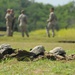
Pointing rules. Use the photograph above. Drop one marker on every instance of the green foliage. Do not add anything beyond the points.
(38, 13)
(65, 15)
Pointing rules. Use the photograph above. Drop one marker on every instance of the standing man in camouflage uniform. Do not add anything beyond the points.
(8, 23)
(51, 22)
(13, 20)
(23, 23)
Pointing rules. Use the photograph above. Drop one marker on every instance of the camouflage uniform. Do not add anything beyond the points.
(51, 24)
(13, 21)
(9, 23)
(23, 21)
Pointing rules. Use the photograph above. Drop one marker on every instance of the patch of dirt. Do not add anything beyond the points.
(38, 71)
(64, 41)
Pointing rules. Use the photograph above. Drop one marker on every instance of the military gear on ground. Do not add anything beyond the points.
(38, 50)
(58, 51)
(55, 57)
(6, 49)
(1, 56)
(70, 57)
(23, 55)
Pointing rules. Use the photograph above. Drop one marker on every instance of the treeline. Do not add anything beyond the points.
(38, 13)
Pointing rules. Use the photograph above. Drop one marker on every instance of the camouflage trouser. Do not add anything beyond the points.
(49, 27)
(9, 29)
(23, 30)
(13, 22)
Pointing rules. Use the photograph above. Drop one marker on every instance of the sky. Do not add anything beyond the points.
(54, 2)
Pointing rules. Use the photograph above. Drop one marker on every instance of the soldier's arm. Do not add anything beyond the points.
(6, 16)
(51, 17)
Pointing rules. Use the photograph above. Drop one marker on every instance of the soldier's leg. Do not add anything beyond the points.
(13, 23)
(26, 32)
(8, 33)
(48, 29)
(22, 30)
(10, 30)
(53, 31)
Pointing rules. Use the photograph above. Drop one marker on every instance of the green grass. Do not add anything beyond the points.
(43, 66)
(41, 36)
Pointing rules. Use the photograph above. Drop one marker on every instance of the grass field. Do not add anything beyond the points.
(43, 66)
